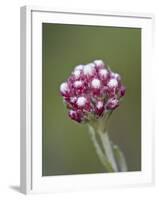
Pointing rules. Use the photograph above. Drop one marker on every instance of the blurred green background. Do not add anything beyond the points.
(67, 148)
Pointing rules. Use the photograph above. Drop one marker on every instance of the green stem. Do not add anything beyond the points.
(110, 155)
(108, 149)
(99, 152)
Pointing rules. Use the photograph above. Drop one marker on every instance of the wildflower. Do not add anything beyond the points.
(91, 93)
(92, 90)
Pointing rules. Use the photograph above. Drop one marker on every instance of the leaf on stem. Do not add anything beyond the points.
(120, 158)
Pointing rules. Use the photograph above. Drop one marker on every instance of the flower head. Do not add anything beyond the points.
(92, 91)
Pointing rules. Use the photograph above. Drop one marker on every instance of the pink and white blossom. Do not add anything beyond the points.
(92, 89)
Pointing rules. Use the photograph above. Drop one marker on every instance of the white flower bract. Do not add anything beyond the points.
(99, 104)
(99, 63)
(64, 87)
(115, 75)
(79, 67)
(78, 84)
(72, 113)
(96, 83)
(73, 99)
(103, 73)
(77, 73)
(113, 83)
(81, 101)
(89, 69)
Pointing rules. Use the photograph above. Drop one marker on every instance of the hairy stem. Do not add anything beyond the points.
(99, 151)
(109, 154)
(108, 149)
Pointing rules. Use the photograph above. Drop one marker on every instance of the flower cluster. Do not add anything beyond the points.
(91, 91)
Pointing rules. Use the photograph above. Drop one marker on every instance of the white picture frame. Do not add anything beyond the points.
(31, 100)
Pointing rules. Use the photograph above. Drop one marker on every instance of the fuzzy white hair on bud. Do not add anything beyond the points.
(79, 67)
(99, 104)
(96, 83)
(103, 73)
(113, 83)
(73, 99)
(77, 73)
(89, 69)
(99, 63)
(81, 101)
(72, 112)
(114, 101)
(78, 84)
(116, 76)
(64, 87)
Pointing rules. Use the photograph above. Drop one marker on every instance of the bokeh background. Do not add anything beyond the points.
(67, 148)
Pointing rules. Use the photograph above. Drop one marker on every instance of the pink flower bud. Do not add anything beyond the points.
(89, 69)
(96, 84)
(103, 74)
(75, 115)
(76, 74)
(64, 89)
(79, 67)
(112, 104)
(81, 102)
(122, 91)
(113, 83)
(99, 107)
(116, 76)
(99, 63)
(78, 84)
(73, 100)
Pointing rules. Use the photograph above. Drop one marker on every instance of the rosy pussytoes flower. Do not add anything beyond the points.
(92, 91)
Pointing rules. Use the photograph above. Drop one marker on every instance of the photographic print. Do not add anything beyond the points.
(91, 99)
(86, 88)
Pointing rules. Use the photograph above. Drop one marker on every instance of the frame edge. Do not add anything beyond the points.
(25, 92)
(90, 11)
